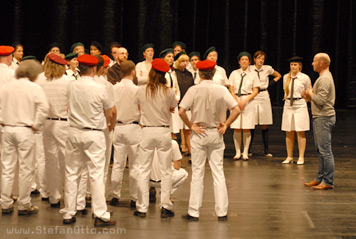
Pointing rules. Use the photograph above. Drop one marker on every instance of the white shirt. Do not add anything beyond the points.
(57, 97)
(220, 76)
(15, 63)
(172, 74)
(263, 74)
(103, 80)
(72, 75)
(6, 74)
(207, 102)
(124, 96)
(87, 101)
(142, 73)
(301, 83)
(23, 103)
(250, 80)
(196, 73)
(155, 111)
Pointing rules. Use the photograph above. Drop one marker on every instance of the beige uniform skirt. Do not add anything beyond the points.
(246, 119)
(263, 109)
(296, 117)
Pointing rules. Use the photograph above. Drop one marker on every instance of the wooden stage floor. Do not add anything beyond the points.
(266, 199)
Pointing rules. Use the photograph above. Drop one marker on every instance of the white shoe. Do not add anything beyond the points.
(237, 156)
(288, 160)
(268, 155)
(244, 157)
(300, 161)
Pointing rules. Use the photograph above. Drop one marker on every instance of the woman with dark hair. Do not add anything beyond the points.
(72, 72)
(262, 100)
(156, 101)
(295, 116)
(185, 81)
(96, 48)
(244, 86)
(144, 67)
(16, 55)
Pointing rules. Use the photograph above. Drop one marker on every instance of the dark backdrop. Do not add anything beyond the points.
(282, 28)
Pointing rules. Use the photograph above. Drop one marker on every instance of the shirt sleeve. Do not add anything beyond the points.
(187, 101)
(108, 100)
(42, 107)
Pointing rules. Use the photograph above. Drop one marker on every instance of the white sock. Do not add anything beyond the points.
(247, 140)
(237, 142)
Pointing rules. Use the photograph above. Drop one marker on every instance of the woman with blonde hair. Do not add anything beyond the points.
(156, 101)
(55, 84)
(295, 116)
(185, 81)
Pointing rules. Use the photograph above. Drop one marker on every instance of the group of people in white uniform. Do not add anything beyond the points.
(81, 115)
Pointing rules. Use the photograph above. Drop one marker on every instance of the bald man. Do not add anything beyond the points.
(322, 98)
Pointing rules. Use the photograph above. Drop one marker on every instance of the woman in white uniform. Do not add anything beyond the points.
(156, 101)
(144, 67)
(220, 76)
(72, 72)
(16, 55)
(244, 86)
(295, 116)
(262, 100)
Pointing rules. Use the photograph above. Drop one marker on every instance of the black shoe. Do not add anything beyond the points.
(139, 214)
(152, 195)
(165, 213)
(45, 199)
(82, 212)
(69, 221)
(35, 192)
(56, 205)
(190, 218)
(133, 204)
(101, 223)
(222, 219)
(114, 202)
(31, 210)
(109, 211)
(9, 210)
(187, 154)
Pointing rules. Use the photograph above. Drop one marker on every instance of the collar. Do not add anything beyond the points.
(126, 81)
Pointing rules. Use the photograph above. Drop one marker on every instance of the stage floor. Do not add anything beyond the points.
(266, 199)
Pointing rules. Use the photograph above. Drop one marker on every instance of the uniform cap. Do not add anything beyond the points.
(179, 54)
(165, 52)
(194, 53)
(6, 50)
(75, 45)
(210, 49)
(244, 53)
(97, 45)
(146, 46)
(28, 58)
(206, 65)
(160, 65)
(295, 59)
(88, 60)
(106, 60)
(57, 59)
(54, 44)
(179, 43)
(70, 56)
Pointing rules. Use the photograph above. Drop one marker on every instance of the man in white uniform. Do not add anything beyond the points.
(89, 109)
(127, 134)
(207, 102)
(18, 139)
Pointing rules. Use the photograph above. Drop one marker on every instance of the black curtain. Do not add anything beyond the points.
(281, 28)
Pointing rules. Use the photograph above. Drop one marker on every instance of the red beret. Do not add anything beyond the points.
(160, 65)
(88, 60)
(206, 65)
(106, 60)
(6, 50)
(57, 59)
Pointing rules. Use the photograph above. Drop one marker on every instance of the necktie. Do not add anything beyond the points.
(170, 77)
(292, 91)
(195, 75)
(258, 73)
(242, 78)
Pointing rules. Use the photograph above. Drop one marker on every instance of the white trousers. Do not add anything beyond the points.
(126, 142)
(154, 138)
(54, 140)
(85, 148)
(18, 146)
(209, 145)
(178, 177)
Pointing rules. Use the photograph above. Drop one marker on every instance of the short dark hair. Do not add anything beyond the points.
(84, 69)
(115, 44)
(207, 74)
(127, 67)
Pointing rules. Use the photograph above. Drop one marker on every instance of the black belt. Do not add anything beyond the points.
(295, 98)
(153, 181)
(120, 122)
(165, 126)
(92, 129)
(27, 126)
(245, 94)
(260, 90)
(61, 119)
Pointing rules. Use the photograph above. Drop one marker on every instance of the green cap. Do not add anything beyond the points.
(210, 49)
(146, 46)
(75, 45)
(70, 56)
(28, 58)
(244, 53)
(194, 53)
(179, 43)
(179, 54)
(165, 52)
